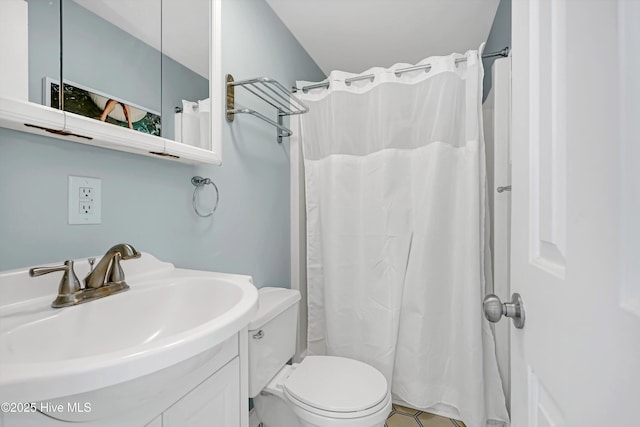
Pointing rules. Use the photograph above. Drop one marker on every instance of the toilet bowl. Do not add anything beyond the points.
(320, 391)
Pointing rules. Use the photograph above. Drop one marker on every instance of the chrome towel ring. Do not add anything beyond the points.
(200, 182)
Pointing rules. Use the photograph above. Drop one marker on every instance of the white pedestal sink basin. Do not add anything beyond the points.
(169, 319)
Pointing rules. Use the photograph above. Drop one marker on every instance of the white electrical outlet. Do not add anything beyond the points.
(85, 193)
(85, 200)
(86, 208)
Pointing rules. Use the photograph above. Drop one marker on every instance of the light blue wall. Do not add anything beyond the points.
(147, 201)
(499, 37)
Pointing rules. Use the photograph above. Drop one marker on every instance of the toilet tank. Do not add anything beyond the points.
(272, 335)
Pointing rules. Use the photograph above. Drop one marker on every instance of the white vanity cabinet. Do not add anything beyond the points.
(214, 402)
(204, 391)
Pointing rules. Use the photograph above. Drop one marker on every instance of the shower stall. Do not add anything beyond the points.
(389, 197)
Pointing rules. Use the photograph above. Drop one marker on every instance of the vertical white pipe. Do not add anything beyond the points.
(298, 234)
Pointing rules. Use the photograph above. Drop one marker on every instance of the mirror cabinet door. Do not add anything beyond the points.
(112, 62)
(44, 51)
(30, 48)
(186, 109)
(143, 65)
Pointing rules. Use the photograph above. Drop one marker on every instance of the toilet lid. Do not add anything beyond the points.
(336, 384)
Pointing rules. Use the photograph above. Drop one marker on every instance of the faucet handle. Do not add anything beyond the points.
(69, 284)
(39, 271)
(116, 274)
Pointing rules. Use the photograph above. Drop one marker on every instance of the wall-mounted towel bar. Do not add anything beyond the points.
(271, 92)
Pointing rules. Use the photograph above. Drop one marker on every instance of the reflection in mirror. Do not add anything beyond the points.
(44, 47)
(114, 70)
(89, 102)
(186, 40)
(112, 62)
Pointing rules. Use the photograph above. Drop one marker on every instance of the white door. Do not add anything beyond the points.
(575, 217)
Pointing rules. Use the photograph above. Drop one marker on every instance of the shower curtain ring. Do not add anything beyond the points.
(200, 182)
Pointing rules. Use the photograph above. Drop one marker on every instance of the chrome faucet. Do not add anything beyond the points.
(105, 279)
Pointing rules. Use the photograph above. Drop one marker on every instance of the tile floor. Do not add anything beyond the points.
(402, 416)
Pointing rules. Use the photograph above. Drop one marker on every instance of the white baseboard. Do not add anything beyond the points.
(253, 419)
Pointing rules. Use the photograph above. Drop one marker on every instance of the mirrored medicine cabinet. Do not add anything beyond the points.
(139, 76)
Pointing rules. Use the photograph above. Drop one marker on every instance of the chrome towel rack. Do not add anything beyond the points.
(271, 92)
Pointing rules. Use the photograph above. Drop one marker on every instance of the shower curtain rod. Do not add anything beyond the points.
(504, 52)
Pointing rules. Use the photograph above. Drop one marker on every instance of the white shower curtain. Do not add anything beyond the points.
(396, 233)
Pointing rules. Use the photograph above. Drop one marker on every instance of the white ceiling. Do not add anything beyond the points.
(185, 30)
(348, 35)
(354, 35)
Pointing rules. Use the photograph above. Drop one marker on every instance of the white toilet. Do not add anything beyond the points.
(320, 391)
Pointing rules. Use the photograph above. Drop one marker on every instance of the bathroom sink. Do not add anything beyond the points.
(168, 316)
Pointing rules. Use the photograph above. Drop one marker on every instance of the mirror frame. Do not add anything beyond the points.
(217, 86)
(216, 80)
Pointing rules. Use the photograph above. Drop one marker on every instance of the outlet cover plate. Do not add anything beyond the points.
(85, 200)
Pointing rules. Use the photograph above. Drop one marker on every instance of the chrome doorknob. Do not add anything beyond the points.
(494, 309)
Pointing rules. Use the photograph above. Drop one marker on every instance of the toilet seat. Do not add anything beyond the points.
(336, 387)
(340, 415)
